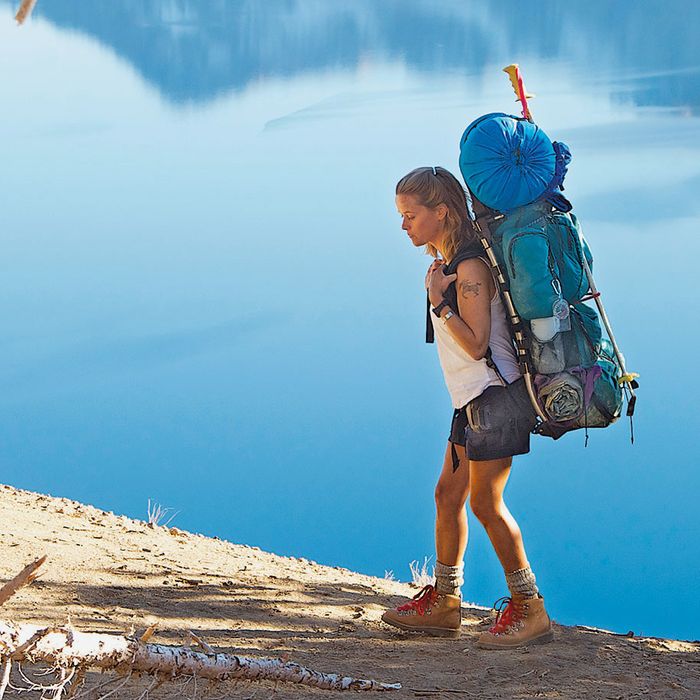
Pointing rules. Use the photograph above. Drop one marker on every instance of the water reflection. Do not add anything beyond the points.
(193, 51)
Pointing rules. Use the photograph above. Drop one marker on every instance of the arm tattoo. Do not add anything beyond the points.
(468, 288)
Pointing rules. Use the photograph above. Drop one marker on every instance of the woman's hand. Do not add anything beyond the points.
(437, 282)
(433, 265)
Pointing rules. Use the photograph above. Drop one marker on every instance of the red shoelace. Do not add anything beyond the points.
(507, 613)
(421, 601)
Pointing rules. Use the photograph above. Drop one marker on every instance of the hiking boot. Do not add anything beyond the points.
(437, 614)
(520, 622)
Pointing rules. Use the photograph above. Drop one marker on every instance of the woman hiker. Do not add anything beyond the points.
(492, 418)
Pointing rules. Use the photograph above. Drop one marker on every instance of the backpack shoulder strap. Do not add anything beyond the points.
(472, 249)
(467, 251)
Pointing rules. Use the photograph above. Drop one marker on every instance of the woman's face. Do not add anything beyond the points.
(422, 224)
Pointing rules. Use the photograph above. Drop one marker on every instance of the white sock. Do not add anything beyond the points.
(449, 579)
(522, 582)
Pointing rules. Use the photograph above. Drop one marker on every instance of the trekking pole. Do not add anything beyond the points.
(516, 80)
(627, 380)
(514, 319)
(516, 323)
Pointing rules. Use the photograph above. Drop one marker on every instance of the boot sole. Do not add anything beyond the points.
(431, 631)
(542, 639)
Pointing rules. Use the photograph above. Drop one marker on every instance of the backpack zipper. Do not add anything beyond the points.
(572, 239)
(512, 244)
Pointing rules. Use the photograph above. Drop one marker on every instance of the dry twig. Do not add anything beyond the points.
(23, 578)
(6, 668)
(201, 643)
(25, 9)
(148, 633)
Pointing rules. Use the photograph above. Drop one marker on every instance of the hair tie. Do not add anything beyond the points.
(434, 171)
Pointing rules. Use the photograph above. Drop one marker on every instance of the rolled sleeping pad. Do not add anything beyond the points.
(506, 161)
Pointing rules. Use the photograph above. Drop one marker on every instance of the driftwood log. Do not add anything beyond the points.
(68, 649)
(71, 653)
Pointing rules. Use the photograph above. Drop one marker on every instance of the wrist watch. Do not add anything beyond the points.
(438, 309)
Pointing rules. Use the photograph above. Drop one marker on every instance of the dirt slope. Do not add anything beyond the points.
(110, 573)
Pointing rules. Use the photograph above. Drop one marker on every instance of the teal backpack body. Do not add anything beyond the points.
(539, 244)
(540, 250)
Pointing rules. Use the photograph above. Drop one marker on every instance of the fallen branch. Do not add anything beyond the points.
(148, 633)
(23, 578)
(25, 9)
(201, 643)
(68, 649)
(6, 668)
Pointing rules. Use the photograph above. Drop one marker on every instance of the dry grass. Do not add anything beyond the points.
(157, 514)
(420, 575)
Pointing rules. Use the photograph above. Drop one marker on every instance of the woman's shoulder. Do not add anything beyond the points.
(473, 266)
(474, 275)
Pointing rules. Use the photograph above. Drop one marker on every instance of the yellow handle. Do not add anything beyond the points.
(627, 378)
(521, 94)
(512, 71)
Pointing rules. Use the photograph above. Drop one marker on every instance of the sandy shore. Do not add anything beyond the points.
(110, 573)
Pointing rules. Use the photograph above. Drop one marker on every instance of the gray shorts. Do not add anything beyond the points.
(494, 425)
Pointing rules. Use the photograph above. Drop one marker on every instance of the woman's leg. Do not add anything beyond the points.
(488, 480)
(524, 621)
(451, 495)
(437, 610)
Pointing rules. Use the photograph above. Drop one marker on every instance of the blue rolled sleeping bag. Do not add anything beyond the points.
(508, 162)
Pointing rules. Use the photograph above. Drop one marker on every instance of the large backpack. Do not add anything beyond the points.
(540, 251)
(540, 257)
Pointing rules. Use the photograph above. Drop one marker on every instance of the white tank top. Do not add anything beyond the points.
(467, 378)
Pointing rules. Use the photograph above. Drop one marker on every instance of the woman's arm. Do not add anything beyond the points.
(471, 325)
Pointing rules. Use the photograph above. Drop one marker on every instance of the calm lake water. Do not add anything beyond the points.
(207, 299)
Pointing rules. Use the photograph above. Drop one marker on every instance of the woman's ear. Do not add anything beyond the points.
(441, 211)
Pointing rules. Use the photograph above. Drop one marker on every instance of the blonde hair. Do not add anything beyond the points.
(435, 186)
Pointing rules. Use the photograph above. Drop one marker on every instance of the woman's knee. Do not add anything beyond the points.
(448, 499)
(486, 508)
